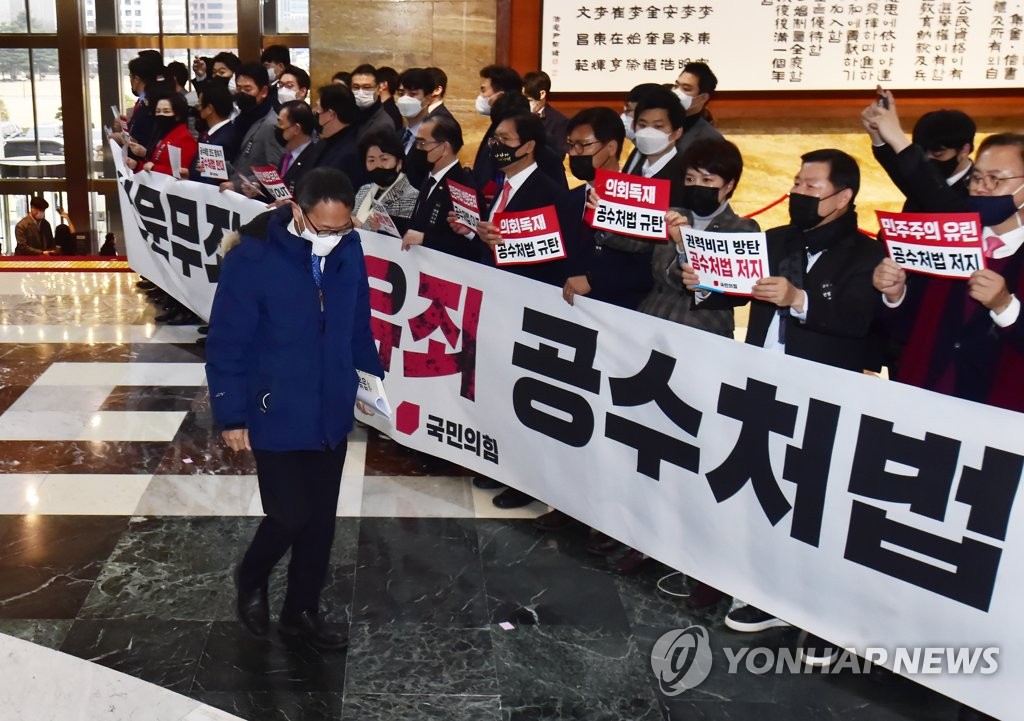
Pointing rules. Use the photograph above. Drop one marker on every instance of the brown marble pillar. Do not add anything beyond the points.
(456, 36)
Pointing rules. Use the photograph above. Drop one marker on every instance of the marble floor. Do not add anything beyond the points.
(121, 519)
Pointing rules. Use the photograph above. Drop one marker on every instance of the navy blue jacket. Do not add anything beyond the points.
(275, 363)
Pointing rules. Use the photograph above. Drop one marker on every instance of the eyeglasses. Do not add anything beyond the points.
(327, 233)
(495, 141)
(579, 148)
(990, 180)
(422, 143)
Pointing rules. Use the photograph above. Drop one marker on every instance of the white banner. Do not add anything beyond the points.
(868, 512)
(173, 228)
(783, 44)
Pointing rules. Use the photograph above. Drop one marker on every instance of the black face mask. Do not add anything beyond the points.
(993, 209)
(582, 166)
(945, 167)
(279, 137)
(503, 155)
(165, 123)
(803, 209)
(201, 125)
(384, 177)
(245, 102)
(419, 157)
(701, 199)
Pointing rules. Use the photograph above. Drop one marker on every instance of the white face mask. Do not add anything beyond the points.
(627, 123)
(231, 84)
(364, 98)
(535, 106)
(285, 95)
(408, 106)
(321, 246)
(651, 141)
(686, 100)
(482, 105)
(271, 74)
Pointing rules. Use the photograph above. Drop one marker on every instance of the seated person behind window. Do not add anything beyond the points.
(171, 123)
(383, 157)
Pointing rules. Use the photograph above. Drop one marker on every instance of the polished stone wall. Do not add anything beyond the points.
(458, 36)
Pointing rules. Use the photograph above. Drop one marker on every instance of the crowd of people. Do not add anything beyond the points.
(832, 294)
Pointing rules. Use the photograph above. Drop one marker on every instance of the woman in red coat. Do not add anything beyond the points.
(171, 116)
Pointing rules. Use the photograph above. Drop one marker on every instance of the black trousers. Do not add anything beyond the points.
(299, 491)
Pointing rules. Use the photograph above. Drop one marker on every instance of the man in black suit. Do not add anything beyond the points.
(421, 92)
(931, 172)
(537, 88)
(497, 83)
(373, 117)
(818, 303)
(513, 149)
(215, 108)
(440, 139)
(295, 127)
(336, 115)
(943, 141)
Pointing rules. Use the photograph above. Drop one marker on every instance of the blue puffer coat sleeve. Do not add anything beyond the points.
(234, 320)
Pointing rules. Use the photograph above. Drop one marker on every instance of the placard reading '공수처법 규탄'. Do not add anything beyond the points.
(783, 45)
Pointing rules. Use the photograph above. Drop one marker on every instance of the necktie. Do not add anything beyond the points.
(428, 187)
(318, 277)
(286, 161)
(992, 244)
(406, 138)
(425, 190)
(506, 190)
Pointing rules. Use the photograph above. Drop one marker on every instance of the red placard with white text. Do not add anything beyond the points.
(269, 179)
(465, 204)
(631, 205)
(948, 245)
(531, 236)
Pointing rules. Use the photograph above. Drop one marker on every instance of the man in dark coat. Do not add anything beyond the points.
(290, 327)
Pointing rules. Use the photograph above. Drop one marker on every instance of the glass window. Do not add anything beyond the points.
(43, 16)
(133, 21)
(293, 17)
(175, 15)
(15, 207)
(300, 58)
(13, 18)
(30, 115)
(213, 16)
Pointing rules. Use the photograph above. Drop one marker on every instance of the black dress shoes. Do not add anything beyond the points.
(253, 611)
(308, 626)
(602, 545)
(487, 484)
(553, 521)
(511, 498)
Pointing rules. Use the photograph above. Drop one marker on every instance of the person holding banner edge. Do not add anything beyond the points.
(289, 328)
(818, 304)
(513, 149)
